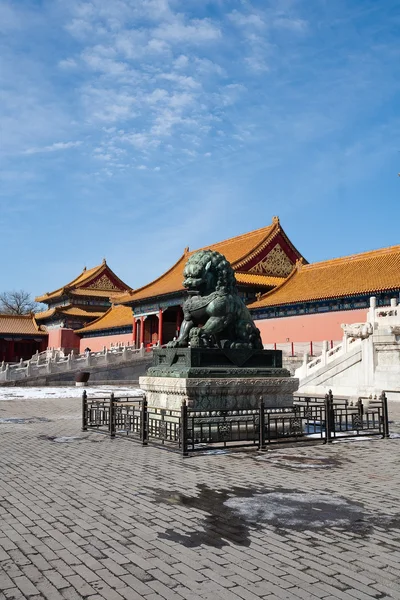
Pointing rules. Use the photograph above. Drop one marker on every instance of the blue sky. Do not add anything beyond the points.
(133, 128)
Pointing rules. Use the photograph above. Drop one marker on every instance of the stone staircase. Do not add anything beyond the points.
(366, 362)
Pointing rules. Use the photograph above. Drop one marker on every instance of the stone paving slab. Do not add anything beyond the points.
(103, 519)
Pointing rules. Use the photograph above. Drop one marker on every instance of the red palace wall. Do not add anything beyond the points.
(97, 343)
(63, 338)
(308, 328)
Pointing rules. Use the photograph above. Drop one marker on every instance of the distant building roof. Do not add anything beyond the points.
(242, 251)
(20, 325)
(115, 317)
(70, 311)
(100, 281)
(365, 273)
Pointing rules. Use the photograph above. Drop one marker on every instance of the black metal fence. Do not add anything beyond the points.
(311, 419)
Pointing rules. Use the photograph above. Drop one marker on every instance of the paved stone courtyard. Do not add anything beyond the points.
(100, 519)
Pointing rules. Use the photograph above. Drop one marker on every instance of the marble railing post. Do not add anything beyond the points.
(324, 351)
(371, 312)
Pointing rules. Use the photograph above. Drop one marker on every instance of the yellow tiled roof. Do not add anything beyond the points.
(256, 279)
(44, 314)
(84, 279)
(366, 273)
(19, 324)
(116, 316)
(92, 293)
(236, 250)
(71, 311)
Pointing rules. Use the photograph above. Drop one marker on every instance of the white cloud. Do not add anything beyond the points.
(298, 25)
(197, 31)
(67, 63)
(54, 147)
(181, 62)
(181, 80)
(243, 20)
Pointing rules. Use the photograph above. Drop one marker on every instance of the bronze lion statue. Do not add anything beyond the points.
(214, 313)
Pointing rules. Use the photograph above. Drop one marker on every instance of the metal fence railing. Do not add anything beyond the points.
(310, 419)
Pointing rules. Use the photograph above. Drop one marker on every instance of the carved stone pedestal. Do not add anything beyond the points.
(217, 379)
(218, 394)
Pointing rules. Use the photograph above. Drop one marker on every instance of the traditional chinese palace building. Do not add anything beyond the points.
(315, 299)
(20, 337)
(290, 300)
(77, 304)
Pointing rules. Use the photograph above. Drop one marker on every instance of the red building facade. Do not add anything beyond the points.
(20, 337)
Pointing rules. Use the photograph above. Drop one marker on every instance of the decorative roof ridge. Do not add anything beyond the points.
(49, 312)
(37, 327)
(132, 292)
(102, 269)
(85, 271)
(42, 298)
(64, 288)
(290, 243)
(352, 257)
(297, 267)
(238, 237)
(274, 229)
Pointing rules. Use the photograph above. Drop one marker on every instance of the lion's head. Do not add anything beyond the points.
(207, 271)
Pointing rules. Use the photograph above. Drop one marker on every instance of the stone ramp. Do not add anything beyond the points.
(128, 371)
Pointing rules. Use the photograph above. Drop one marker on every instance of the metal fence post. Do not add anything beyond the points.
(112, 416)
(360, 407)
(84, 411)
(385, 415)
(261, 416)
(184, 429)
(143, 423)
(329, 417)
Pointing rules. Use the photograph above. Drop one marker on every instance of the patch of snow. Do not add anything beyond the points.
(65, 439)
(46, 393)
(293, 509)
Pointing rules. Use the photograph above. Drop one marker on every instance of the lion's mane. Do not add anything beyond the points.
(225, 281)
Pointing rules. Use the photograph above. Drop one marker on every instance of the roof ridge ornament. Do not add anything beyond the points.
(186, 250)
(275, 220)
(104, 262)
(299, 263)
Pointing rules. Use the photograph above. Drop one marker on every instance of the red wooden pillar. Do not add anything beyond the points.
(141, 340)
(134, 333)
(160, 327)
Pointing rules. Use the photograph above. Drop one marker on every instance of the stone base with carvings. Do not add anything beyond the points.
(218, 393)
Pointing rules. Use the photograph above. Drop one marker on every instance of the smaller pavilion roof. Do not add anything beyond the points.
(99, 281)
(70, 311)
(115, 317)
(365, 273)
(20, 325)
